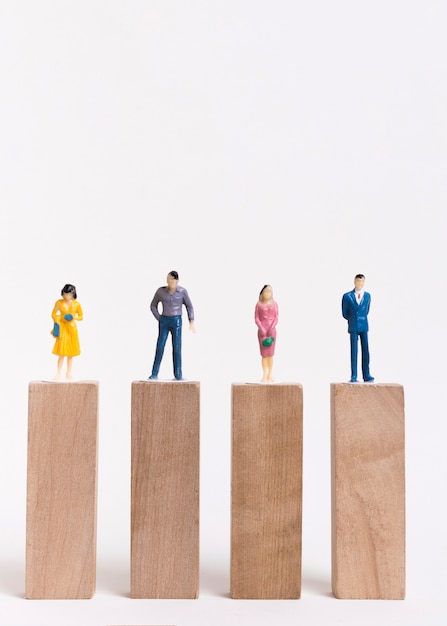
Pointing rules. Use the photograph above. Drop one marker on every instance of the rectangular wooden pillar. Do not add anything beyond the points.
(61, 490)
(165, 490)
(368, 491)
(266, 491)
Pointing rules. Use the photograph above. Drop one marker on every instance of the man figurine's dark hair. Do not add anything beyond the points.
(360, 276)
(174, 274)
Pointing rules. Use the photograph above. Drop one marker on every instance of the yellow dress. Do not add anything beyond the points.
(68, 342)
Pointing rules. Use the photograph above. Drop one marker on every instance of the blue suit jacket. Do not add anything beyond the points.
(356, 314)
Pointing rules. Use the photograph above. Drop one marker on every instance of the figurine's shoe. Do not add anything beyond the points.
(370, 379)
(153, 378)
(353, 379)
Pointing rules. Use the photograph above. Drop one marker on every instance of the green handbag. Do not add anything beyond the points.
(267, 342)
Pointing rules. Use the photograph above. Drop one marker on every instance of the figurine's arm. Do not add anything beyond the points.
(257, 318)
(189, 308)
(345, 307)
(56, 314)
(258, 321)
(154, 305)
(79, 313)
(275, 319)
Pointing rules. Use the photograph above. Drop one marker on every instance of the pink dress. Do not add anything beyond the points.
(266, 318)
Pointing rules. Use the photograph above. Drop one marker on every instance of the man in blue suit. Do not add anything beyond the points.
(355, 309)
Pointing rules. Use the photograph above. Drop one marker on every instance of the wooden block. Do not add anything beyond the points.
(266, 491)
(368, 491)
(165, 490)
(61, 490)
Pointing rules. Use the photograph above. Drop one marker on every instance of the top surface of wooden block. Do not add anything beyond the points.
(360, 384)
(266, 385)
(166, 382)
(62, 383)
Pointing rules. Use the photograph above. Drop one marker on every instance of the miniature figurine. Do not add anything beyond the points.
(266, 318)
(355, 309)
(66, 312)
(172, 298)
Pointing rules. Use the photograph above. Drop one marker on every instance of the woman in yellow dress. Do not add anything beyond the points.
(65, 313)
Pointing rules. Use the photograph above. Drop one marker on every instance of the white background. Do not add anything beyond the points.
(238, 142)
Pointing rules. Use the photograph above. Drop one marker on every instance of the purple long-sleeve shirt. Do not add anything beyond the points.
(172, 303)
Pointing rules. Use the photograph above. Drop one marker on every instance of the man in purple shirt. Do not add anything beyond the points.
(172, 298)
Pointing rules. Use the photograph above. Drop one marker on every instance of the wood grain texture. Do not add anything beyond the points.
(266, 491)
(368, 491)
(61, 490)
(165, 490)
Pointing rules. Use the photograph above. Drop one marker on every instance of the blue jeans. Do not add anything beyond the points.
(365, 354)
(168, 325)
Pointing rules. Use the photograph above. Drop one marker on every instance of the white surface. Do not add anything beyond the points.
(239, 143)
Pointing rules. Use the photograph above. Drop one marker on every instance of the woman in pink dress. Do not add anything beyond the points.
(266, 318)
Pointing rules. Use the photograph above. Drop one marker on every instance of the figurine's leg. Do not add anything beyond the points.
(176, 331)
(60, 363)
(354, 348)
(365, 358)
(69, 366)
(270, 368)
(265, 369)
(163, 330)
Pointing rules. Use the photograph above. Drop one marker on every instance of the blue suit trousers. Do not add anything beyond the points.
(365, 354)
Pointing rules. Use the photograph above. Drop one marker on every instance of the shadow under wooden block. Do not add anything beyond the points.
(266, 493)
(61, 490)
(368, 491)
(165, 490)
